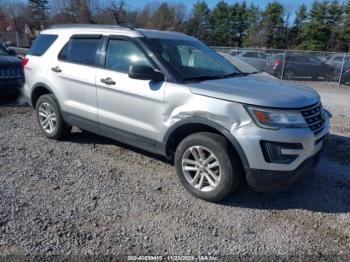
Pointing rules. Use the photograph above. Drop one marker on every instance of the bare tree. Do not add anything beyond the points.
(71, 11)
(118, 11)
(180, 17)
(17, 12)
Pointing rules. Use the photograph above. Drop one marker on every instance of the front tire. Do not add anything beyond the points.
(50, 118)
(207, 166)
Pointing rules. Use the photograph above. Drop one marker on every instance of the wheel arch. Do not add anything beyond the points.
(38, 90)
(191, 125)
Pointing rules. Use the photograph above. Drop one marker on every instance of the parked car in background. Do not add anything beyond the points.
(245, 67)
(11, 71)
(296, 66)
(334, 60)
(256, 59)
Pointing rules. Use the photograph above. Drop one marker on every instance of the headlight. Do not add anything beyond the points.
(275, 119)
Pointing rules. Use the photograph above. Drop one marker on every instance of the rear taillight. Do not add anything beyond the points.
(347, 70)
(277, 62)
(24, 61)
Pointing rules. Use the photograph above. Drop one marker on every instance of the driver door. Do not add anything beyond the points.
(128, 106)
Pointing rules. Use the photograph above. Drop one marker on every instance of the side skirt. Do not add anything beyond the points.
(122, 136)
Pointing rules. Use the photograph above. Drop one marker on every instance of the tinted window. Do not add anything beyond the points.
(41, 44)
(81, 51)
(297, 59)
(250, 54)
(314, 60)
(122, 53)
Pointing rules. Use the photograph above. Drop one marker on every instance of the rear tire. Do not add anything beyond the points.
(207, 166)
(50, 118)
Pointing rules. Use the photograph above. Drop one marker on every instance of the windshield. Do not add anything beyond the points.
(192, 60)
(3, 50)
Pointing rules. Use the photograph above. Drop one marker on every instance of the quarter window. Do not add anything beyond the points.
(121, 54)
(41, 44)
(80, 50)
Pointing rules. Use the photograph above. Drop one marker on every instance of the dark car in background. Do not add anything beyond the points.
(11, 70)
(297, 66)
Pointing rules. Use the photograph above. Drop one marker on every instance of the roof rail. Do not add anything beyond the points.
(102, 26)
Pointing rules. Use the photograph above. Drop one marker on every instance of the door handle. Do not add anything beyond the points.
(107, 81)
(56, 69)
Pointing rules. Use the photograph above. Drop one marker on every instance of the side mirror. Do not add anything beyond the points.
(143, 72)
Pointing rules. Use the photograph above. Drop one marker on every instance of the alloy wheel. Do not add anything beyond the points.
(201, 168)
(47, 117)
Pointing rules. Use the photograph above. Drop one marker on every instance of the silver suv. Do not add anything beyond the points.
(170, 94)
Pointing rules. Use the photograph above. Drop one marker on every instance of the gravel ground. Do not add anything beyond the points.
(89, 195)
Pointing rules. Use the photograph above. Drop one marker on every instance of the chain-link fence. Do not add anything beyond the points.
(295, 64)
(16, 39)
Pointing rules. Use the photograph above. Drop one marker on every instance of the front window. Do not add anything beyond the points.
(121, 54)
(191, 60)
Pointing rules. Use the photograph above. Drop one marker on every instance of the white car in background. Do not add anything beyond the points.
(258, 59)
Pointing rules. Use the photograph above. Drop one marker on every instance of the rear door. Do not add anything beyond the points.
(73, 73)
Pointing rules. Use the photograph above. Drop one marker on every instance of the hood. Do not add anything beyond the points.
(9, 62)
(257, 90)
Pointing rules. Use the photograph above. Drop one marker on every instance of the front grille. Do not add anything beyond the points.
(314, 117)
(11, 73)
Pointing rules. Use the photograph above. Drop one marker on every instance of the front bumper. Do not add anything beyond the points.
(264, 175)
(272, 181)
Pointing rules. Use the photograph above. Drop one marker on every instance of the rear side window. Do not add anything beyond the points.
(80, 50)
(41, 44)
(297, 59)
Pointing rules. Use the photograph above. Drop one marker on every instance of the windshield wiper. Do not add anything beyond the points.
(200, 78)
(207, 77)
(235, 74)
(239, 74)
